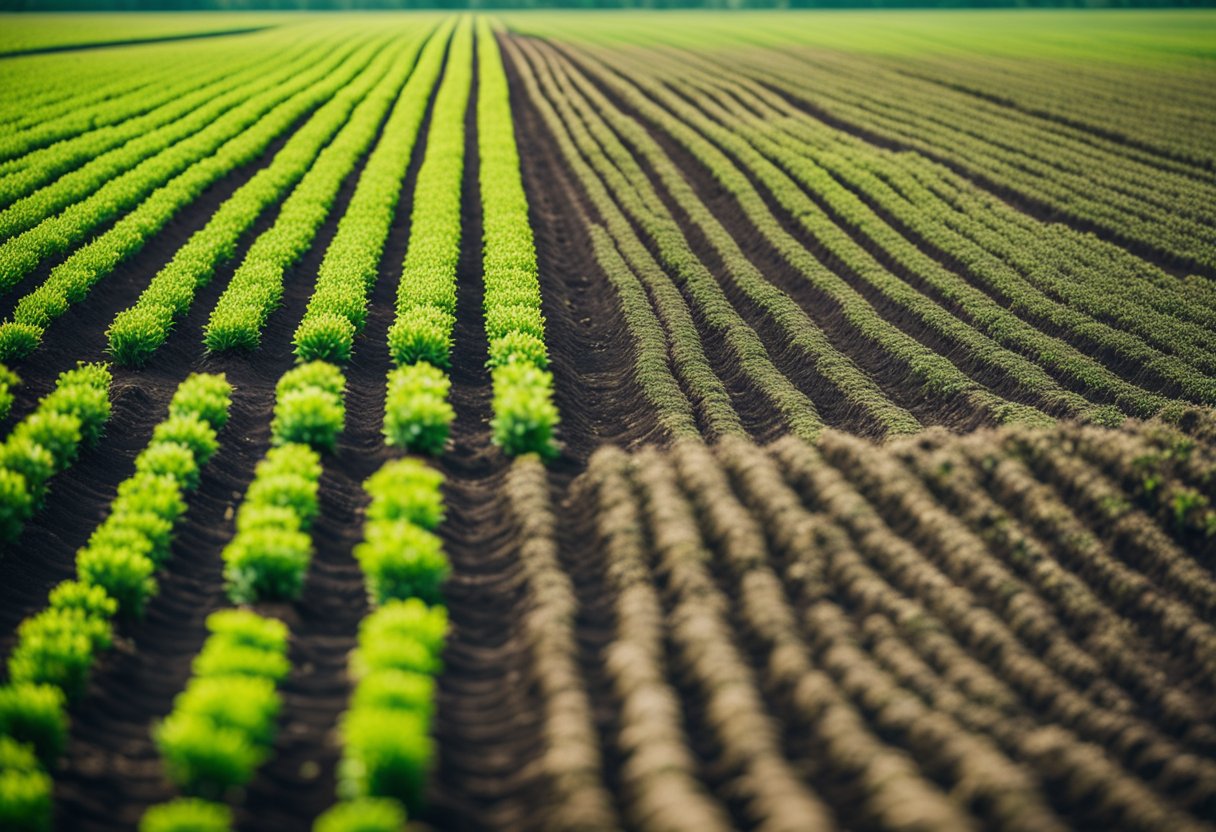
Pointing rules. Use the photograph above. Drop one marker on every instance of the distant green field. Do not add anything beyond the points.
(32, 32)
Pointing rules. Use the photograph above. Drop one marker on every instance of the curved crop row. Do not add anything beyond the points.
(338, 307)
(605, 186)
(46, 442)
(802, 163)
(55, 650)
(223, 724)
(524, 414)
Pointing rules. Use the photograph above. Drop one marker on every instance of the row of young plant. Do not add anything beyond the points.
(47, 441)
(337, 309)
(980, 312)
(42, 121)
(145, 125)
(1048, 248)
(1079, 315)
(56, 648)
(1044, 147)
(936, 373)
(605, 184)
(802, 333)
(256, 288)
(223, 724)
(49, 221)
(269, 555)
(990, 640)
(821, 565)
(42, 92)
(663, 377)
(387, 750)
(71, 280)
(139, 330)
(417, 413)
(1092, 197)
(524, 413)
(1079, 107)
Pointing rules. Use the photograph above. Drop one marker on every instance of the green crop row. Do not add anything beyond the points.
(139, 330)
(8, 380)
(44, 124)
(89, 160)
(257, 286)
(222, 725)
(401, 556)
(385, 732)
(308, 406)
(1101, 190)
(223, 129)
(46, 442)
(654, 309)
(271, 550)
(426, 295)
(56, 647)
(387, 749)
(417, 414)
(338, 307)
(938, 375)
(615, 196)
(70, 281)
(524, 413)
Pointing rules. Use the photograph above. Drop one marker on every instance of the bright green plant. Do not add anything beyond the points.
(187, 814)
(35, 714)
(406, 489)
(368, 814)
(417, 415)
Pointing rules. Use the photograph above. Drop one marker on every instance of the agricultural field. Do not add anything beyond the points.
(699, 421)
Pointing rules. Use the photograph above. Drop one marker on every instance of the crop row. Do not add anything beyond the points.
(139, 330)
(102, 196)
(223, 724)
(387, 751)
(977, 310)
(269, 555)
(71, 280)
(338, 307)
(46, 442)
(605, 184)
(121, 133)
(524, 414)
(938, 375)
(1008, 155)
(256, 288)
(417, 415)
(56, 648)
